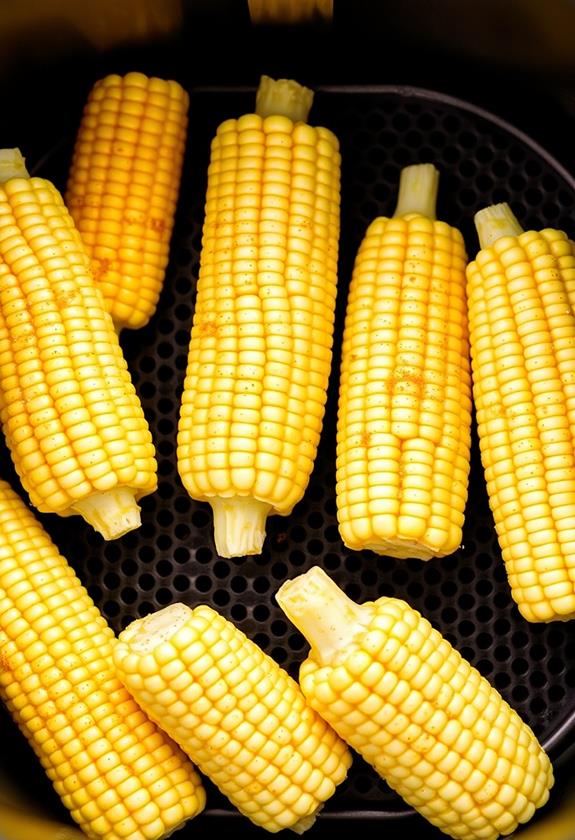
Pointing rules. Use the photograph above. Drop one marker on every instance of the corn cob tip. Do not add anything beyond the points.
(239, 525)
(12, 165)
(284, 97)
(322, 612)
(494, 222)
(418, 186)
(143, 634)
(112, 513)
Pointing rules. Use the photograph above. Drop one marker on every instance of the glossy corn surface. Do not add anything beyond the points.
(425, 719)
(70, 413)
(240, 717)
(404, 411)
(119, 775)
(123, 187)
(261, 341)
(521, 296)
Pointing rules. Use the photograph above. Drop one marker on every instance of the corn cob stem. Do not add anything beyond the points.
(12, 165)
(283, 96)
(418, 185)
(495, 221)
(112, 512)
(239, 525)
(322, 612)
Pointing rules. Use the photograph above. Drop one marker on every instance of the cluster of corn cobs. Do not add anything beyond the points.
(121, 724)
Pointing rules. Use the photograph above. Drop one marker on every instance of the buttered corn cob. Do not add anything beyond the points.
(119, 775)
(70, 413)
(123, 187)
(404, 412)
(425, 719)
(521, 289)
(261, 341)
(240, 717)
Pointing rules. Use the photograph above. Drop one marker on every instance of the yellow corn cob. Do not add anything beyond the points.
(404, 413)
(239, 716)
(119, 775)
(289, 11)
(123, 187)
(424, 718)
(69, 410)
(261, 342)
(521, 290)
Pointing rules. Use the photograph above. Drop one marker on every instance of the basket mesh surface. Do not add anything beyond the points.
(172, 556)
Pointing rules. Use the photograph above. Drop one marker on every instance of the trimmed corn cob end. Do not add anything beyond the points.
(240, 717)
(261, 341)
(404, 413)
(522, 328)
(123, 188)
(438, 733)
(119, 775)
(70, 413)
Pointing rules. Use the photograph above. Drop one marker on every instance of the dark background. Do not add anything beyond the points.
(515, 59)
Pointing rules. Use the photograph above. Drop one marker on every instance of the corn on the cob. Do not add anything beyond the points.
(240, 717)
(71, 416)
(521, 294)
(404, 412)
(261, 341)
(420, 714)
(289, 11)
(123, 187)
(119, 775)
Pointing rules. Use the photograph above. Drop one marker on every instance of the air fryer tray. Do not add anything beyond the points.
(482, 160)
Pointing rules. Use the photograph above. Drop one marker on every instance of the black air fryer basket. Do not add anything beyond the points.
(482, 160)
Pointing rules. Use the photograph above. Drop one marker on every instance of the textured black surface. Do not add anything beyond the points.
(172, 556)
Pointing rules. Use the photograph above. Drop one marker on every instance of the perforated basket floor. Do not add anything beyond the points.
(171, 557)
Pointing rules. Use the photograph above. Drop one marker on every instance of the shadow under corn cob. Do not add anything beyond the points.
(71, 416)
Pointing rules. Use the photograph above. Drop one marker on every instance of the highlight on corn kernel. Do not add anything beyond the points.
(71, 417)
(422, 716)
(260, 349)
(521, 305)
(404, 405)
(239, 716)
